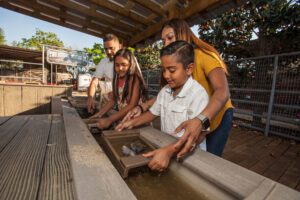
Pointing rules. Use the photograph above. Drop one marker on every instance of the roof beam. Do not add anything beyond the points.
(91, 11)
(151, 6)
(68, 20)
(195, 6)
(42, 17)
(121, 11)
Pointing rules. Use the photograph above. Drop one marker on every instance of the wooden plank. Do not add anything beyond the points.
(269, 159)
(236, 180)
(4, 119)
(260, 150)
(262, 191)
(195, 6)
(56, 105)
(44, 100)
(29, 100)
(283, 193)
(241, 152)
(10, 128)
(22, 160)
(292, 175)
(278, 168)
(94, 175)
(1, 100)
(122, 11)
(12, 100)
(56, 182)
(151, 6)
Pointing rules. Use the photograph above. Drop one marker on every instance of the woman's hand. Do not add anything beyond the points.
(135, 112)
(104, 123)
(124, 125)
(192, 136)
(160, 158)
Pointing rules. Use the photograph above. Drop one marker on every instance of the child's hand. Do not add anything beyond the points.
(124, 125)
(104, 123)
(135, 112)
(161, 158)
(97, 115)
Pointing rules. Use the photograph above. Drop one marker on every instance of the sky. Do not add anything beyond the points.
(17, 26)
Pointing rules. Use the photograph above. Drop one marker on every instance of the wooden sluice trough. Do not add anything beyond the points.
(91, 174)
(200, 176)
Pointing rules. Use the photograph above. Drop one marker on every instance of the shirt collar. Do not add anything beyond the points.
(184, 90)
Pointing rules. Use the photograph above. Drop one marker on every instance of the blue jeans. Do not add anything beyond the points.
(216, 140)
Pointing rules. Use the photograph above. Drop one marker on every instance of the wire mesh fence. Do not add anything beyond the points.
(265, 92)
(20, 72)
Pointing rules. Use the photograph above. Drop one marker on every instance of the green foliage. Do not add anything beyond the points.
(274, 22)
(40, 38)
(2, 36)
(148, 57)
(96, 52)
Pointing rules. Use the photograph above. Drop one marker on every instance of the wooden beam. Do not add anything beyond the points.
(151, 6)
(122, 11)
(195, 6)
(92, 28)
(92, 12)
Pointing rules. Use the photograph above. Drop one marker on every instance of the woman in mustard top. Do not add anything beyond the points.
(210, 71)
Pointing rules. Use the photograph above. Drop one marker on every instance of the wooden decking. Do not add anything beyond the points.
(272, 157)
(34, 161)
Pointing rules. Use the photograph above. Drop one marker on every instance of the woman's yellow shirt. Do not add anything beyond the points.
(204, 64)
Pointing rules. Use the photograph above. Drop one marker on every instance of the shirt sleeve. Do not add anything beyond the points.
(99, 70)
(208, 62)
(156, 107)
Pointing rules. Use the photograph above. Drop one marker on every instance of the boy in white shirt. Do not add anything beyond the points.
(181, 99)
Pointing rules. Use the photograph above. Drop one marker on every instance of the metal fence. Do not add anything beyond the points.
(265, 92)
(19, 71)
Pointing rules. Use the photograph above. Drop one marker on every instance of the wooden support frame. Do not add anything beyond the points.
(142, 18)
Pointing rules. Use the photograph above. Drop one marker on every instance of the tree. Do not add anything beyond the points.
(96, 53)
(274, 22)
(2, 36)
(148, 57)
(40, 38)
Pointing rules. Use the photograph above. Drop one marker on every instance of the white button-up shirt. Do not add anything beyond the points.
(187, 104)
(105, 69)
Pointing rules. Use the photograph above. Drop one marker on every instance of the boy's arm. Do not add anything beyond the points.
(161, 157)
(144, 118)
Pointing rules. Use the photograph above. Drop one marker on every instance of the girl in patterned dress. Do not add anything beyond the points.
(128, 89)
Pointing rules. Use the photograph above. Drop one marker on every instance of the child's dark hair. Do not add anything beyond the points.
(130, 77)
(183, 51)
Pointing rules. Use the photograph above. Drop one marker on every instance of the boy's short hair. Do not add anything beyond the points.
(183, 51)
(109, 37)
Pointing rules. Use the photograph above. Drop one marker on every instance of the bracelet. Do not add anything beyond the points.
(142, 110)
